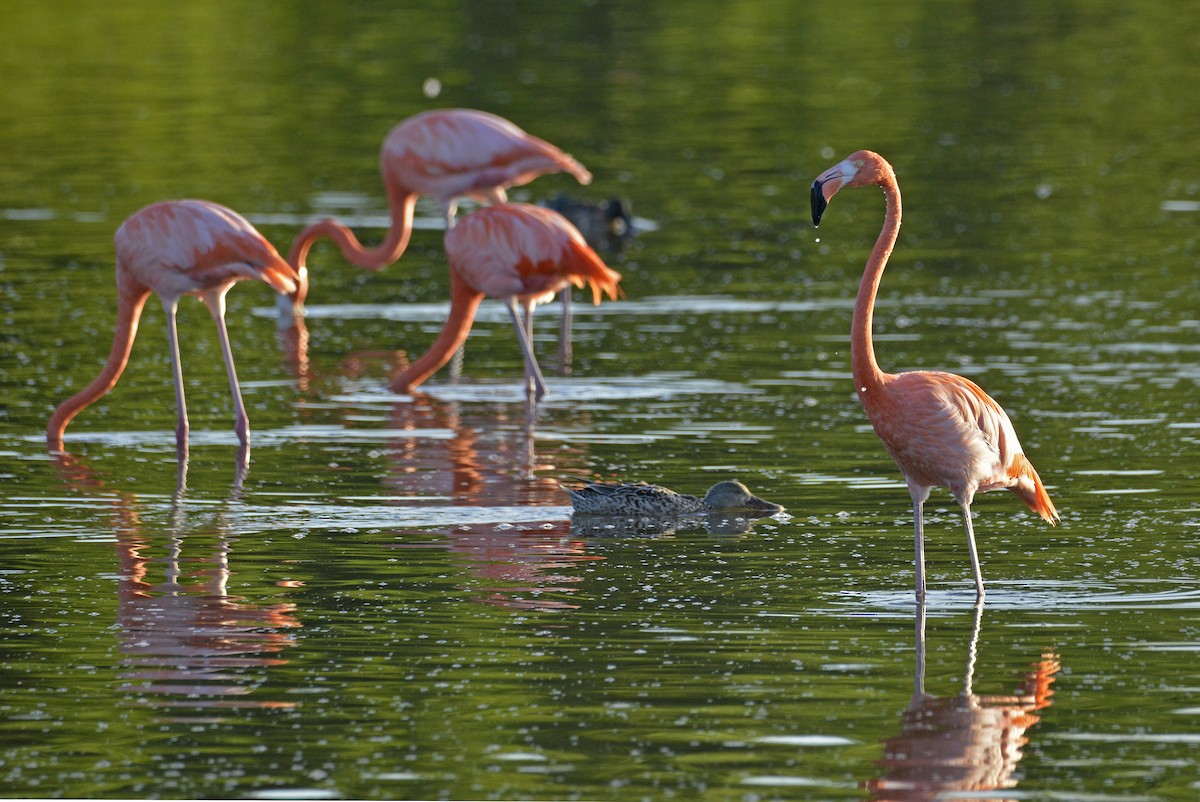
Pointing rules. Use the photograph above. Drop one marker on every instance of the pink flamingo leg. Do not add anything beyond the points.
(170, 305)
(919, 495)
(449, 210)
(215, 301)
(527, 309)
(966, 510)
(533, 374)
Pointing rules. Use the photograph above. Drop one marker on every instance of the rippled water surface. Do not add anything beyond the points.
(387, 596)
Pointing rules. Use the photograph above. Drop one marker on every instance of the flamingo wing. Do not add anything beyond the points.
(521, 250)
(944, 430)
(194, 245)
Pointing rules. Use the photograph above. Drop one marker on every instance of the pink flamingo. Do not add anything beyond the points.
(446, 154)
(521, 254)
(177, 248)
(941, 429)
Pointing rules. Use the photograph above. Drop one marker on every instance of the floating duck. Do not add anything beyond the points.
(604, 224)
(639, 498)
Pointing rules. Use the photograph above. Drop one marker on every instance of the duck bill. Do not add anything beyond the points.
(827, 185)
(756, 503)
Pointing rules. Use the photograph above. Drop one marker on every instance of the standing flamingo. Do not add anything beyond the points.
(941, 429)
(446, 154)
(521, 254)
(177, 248)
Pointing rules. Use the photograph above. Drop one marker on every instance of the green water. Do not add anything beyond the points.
(392, 601)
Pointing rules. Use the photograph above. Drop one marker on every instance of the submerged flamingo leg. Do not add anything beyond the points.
(533, 374)
(170, 305)
(215, 301)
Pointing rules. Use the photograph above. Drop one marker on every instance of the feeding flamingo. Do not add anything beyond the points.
(177, 248)
(521, 254)
(446, 154)
(940, 428)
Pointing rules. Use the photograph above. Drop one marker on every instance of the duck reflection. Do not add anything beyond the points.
(489, 459)
(713, 523)
(186, 641)
(964, 743)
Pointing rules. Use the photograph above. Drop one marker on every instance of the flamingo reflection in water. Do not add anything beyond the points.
(489, 459)
(965, 743)
(292, 338)
(188, 643)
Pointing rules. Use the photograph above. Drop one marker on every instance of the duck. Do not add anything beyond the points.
(604, 224)
(639, 498)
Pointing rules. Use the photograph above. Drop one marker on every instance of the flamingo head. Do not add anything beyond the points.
(859, 169)
(290, 306)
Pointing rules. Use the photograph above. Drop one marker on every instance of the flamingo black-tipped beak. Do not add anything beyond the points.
(828, 183)
(819, 204)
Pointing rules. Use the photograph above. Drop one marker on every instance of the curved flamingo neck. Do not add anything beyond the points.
(862, 350)
(464, 301)
(130, 301)
(401, 205)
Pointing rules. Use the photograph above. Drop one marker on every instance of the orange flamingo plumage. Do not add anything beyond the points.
(173, 249)
(445, 154)
(521, 254)
(940, 428)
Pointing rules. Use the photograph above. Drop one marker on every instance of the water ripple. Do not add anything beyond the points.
(1049, 598)
(664, 306)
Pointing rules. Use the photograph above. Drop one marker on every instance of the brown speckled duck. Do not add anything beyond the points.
(639, 498)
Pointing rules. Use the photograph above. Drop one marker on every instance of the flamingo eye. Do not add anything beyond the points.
(859, 163)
